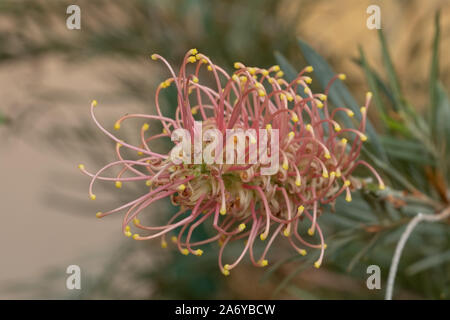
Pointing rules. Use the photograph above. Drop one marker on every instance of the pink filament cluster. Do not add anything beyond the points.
(236, 201)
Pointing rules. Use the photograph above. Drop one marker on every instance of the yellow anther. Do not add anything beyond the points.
(127, 233)
(163, 244)
(280, 81)
(191, 59)
(185, 252)
(338, 173)
(270, 80)
(140, 153)
(268, 127)
(319, 105)
(198, 252)
(223, 211)
(243, 79)
(194, 79)
(148, 183)
(118, 184)
(347, 183)
(291, 135)
(136, 221)
(381, 186)
(337, 127)
(282, 96)
(235, 77)
(289, 97)
(348, 197)
(280, 74)
(237, 65)
(93, 196)
(363, 110)
(261, 93)
(323, 97)
(344, 141)
(94, 103)
(363, 137)
(242, 227)
(81, 166)
(276, 68)
(286, 232)
(264, 263)
(300, 210)
(327, 155)
(325, 174)
(302, 252)
(193, 51)
(311, 231)
(117, 125)
(298, 182)
(350, 113)
(194, 110)
(332, 174)
(174, 239)
(136, 236)
(252, 70)
(309, 127)
(181, 187)
(307, 90)
(263, 236)
(227, 267)
(204, 61)
(285, 165)
(164, 131)
(317, 264)
(199, 58)
(309, 69)
(324, 246)
(308, 80)
(209, 68)
(342, 76)
(369, 95)
(225, 272)
(127, 228)
(265, 72)
(154, 56)
(294, 118)
(98, 214)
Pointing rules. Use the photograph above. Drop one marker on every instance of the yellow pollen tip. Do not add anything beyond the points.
(350, 113)
(294, 117)
(136, 236)
(342, 76)
(225, 272)
(268, 127)
(323, 97)
(181, 187)
(193, 51)
(325, 174)
(300, 209)
(265, 72)
(369, 95)
(309, 69)
(163, 244)
(242, 227)
(98, 214)
(280, 74)
(309, 127)
(209, 68)
(264, 263)
(127, 233)
(382, 186)
(363, 137)
(286, 232)
(337, 128)
(127, 228)
(311, 231)
(285, 166)
(235, 77)
(348, 198)
(237, 65)
(347, 183)
(148, 183)
(81, 166)
(227, 267)
(262, 236)
(194, 111)
(198, 252)
(308, 80)
(298, 182)
(191, 59)
(344, 141)
(118, 184)
(317, 264)
(136, 221)
(174, 239)
(327, 155)
(223, 211)
(195, 79)
(276, 68)
(93, 196)
(307, 90)
(324, 246)
(302, 252)
(363, 109)
(291, 135)
(117, 126)
(94, 103)
(154, 56)
(145, 127)
(261, 93)
(185, 252)
(319, 105)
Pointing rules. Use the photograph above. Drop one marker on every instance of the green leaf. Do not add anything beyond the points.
(428, 262)
(339, 94)
(434, 71)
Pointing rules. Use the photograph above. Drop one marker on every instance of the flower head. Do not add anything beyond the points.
(315, 159)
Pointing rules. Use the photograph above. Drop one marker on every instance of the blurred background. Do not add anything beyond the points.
(49, 75)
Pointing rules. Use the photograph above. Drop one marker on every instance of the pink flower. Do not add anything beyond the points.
(316, 161)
